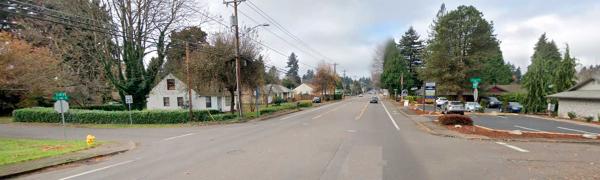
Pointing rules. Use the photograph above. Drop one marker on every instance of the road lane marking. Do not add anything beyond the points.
(175, 137)
(307, 111)
(502, 117)
(531, 129)
(318, 116)
(389, 115)
(96, 170)
(576, 130)
(361, 112)
(512, 147)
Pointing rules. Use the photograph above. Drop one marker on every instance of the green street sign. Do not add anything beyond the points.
(60, 96)
(475, 82)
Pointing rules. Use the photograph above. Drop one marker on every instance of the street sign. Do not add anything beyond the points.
(475, 81)
(128, 99)
(60, 96)
(61, 106)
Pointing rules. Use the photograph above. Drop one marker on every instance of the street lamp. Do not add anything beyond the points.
(248, 30)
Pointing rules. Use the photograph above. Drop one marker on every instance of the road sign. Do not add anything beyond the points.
(60, 96)
(475, 81)
(430, 90)
(128, 99)
(61, 106)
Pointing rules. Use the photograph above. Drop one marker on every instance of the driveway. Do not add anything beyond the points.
(529, 123)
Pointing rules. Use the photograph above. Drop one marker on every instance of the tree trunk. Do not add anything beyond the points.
(232, 94)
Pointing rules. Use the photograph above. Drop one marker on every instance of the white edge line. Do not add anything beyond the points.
(576, 130)
(174, 137)
(512, 147)
(318, 116)
(389, 115)
(96, 170)
(526, 128)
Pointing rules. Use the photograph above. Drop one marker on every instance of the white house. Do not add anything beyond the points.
(303, 89)
(276, 90)
(583, 99)
(171, 93)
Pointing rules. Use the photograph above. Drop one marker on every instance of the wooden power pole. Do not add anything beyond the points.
(238, 67)
(189, 79)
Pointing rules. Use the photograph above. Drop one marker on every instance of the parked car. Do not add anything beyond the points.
(472, 106)
(440, 101)
(360, 95)
(316, 100)
(513, 107)
(454, 107)
(374, 99)
(493, 102)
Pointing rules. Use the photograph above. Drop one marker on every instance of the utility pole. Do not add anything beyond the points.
(189, 80)
(238, 68)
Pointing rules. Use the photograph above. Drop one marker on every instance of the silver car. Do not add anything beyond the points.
(454, 107)
(472, 106)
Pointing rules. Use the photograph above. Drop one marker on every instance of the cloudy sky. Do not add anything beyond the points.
(348, 31)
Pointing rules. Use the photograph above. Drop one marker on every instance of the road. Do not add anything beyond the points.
(351, 139)
(527, 123)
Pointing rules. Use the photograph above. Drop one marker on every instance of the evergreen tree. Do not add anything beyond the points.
(539, 78)
(308, 77)
(394, 66)
(462, 44)
(565, 74)
(292, 76)
(272, 76)
(517, 75)
(411, 48)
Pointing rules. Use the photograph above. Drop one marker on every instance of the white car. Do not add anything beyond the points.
(454, 107)
(440, 101)
(472, 106)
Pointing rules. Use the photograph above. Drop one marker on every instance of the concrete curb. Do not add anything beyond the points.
(431, 131)
(110, 148)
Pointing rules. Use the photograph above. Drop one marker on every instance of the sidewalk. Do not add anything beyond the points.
(109, 148)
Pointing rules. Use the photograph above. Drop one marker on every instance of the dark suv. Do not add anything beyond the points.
(493, 102)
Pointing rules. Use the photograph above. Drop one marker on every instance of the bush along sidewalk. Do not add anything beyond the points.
(82, 116)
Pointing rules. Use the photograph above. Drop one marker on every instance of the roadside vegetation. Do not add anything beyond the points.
(5, 119)
(18, 150)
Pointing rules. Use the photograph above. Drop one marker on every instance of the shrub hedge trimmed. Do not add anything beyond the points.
(455, 119)
(48, 115)
(108, 107)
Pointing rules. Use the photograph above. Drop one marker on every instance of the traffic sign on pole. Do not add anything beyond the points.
(128, 101)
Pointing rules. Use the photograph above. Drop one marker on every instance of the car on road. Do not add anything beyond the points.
(316, 100)
(440, 101)
(472, 106)
(454, 107)
(493, 102)
(360, 95)
(374, 99)
(513, 107)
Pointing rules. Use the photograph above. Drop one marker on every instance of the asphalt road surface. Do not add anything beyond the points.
(527, 123)
(351, 139)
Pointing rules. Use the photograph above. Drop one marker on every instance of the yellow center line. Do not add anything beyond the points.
(362, 111)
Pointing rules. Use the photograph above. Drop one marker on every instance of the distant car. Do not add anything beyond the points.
(493, 102)
(514, 107)
(440, 101)
(374, 100)
(472, 106)
(454, 107)
(360, 95)
(316, 100)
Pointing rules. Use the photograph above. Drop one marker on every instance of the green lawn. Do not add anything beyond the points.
(17, 150)
(5, 119)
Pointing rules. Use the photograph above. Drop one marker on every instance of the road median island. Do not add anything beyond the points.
(22, 156)
(477, 132)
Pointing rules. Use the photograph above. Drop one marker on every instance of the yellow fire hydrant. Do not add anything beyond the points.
(90, 139)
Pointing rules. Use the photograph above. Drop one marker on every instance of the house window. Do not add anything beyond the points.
(227, 101)
(166, 102)
(180, 101)
(208, 102)
(170, 84)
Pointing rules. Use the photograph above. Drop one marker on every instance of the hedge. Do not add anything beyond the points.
(48, 115)
(455, 119)
(112, 107)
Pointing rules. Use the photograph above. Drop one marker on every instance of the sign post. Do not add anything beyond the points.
(61, 106)
(128, 101)
(475, 81)
(430, 93)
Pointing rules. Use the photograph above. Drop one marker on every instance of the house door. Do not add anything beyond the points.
(219, 103)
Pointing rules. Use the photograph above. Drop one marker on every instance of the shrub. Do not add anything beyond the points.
(278, 100)
(305, 103)
(106, 107)
(513, 97)
(484, 103)
(48, 115)
(455, 119)
(589, 118)
(572, 115)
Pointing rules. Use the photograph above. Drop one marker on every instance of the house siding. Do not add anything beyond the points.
(582, 108)
(156, 95)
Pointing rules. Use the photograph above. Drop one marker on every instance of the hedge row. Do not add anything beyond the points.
(113, 107)
(48, 115)
(455, 119)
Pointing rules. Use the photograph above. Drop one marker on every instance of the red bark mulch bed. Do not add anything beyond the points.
(504, 134)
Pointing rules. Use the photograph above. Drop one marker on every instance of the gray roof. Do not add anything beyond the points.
(595, 95)
(584, 82)
(276, 88)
